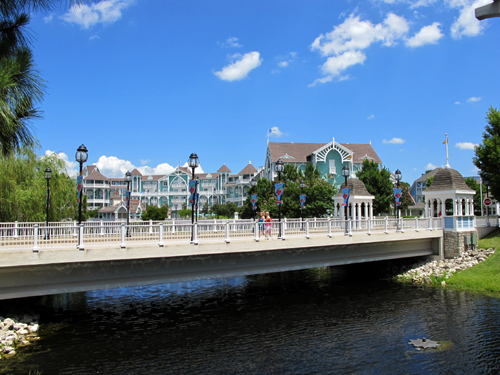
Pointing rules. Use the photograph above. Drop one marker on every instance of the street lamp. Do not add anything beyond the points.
(486, 182)
(345, 173)
(81, 157)
(254, 184)
(128, 178)
(398, 176)
(279, 167)
(48, 176)
(193, 162)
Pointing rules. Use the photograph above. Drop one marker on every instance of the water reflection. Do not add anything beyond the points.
(339, 320)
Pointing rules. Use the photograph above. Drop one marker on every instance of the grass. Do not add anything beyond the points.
(484, 277)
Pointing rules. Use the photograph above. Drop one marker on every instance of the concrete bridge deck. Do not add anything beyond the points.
(62, 270)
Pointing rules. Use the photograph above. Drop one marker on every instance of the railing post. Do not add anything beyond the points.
(75, 229)
(349, 227)
(123, 234)
(416, 224)
(307, 228)
(283, 226)
(386, 224)
(402, 222)
(160, 243)
(257, 231)
(368, 225)
(329, 227)
(81, 246)
(173, 226)
(195, 237)
(430, 223)
(227, 232)
(150, 227)
(16, 231)
(102, 228)
(35, 238)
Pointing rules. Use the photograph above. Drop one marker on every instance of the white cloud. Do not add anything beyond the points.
(160, 169)
(113, 167)
(92, 37)
(343, 46)
(427, 35)
(231, 43)
(430, 166)
(283, 64)
(240, 69)
(144, 161)
(49, 18)
(275, 132)
(72, 167)
(395, 141)
(474, 99)
(106, 11)
(466, 24)
(371, 117)
(466, 145)
(458, 103)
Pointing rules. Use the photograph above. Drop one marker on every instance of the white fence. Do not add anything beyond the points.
(38, 236)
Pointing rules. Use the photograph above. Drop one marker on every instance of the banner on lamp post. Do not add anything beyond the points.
(79, 187)
(279, 191)
(302, 200)
(192, 189)
(127, 199)
(397, 195)
(346, 193)
(254, 201)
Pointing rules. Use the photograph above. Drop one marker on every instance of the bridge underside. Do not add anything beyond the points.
(66, 271)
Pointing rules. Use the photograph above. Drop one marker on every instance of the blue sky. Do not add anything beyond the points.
(144, 83)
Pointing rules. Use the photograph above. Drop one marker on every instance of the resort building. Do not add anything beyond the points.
(223, 186)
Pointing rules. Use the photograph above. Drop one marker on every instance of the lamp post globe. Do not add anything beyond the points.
(128, 179)
(47, 175)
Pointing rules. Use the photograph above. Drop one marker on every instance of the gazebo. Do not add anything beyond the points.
(449, 197)
(360, 201)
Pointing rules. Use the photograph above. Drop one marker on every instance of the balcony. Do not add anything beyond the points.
(177, 185)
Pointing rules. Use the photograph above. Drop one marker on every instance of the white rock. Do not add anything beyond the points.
(34, 328)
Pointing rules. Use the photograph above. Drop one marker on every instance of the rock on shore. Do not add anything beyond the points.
(17, 332)
(421, 272)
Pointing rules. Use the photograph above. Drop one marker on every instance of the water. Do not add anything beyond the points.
(321, 321)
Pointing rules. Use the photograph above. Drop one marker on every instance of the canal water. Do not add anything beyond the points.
(320, 321)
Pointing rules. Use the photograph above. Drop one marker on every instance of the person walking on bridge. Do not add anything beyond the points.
(269, 226)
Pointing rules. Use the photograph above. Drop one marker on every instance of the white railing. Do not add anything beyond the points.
(94, 234)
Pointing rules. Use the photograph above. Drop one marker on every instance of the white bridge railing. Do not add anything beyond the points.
(38, 236)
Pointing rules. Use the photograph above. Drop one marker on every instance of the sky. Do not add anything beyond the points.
(143, 84)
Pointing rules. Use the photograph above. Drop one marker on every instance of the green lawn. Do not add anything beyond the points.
(484, 277)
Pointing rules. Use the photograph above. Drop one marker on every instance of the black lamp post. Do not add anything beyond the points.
(279, 167)
(345, 173)
(193, 162)
(128, 178)
(254, 184)
(398, 176)
(486, 182)
(81, 157)
(48, 176)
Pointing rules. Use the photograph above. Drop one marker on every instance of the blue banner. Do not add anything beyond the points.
(79, 187)
(127, 199)
(254, 201)
(279, 191)
(302, 200)
(346, 193)
(197, 200)
(397, 195)
(192, 189)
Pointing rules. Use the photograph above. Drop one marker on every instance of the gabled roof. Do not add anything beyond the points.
(96, 175)
(224, 169)
(136, 172)
(203, 176)
(357, 186)
(300, 151)
(154, 177)
(249, 169)
(91, 168)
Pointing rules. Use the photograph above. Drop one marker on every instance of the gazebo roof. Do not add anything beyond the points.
(357, 186)
(448, 180)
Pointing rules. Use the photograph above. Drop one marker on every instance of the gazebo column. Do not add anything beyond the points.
(443, 207)
(359, 211)
(335, 211)
(455, 209)
(427, 208)
(371, 210)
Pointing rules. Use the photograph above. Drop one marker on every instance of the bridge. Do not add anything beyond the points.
(63, 257)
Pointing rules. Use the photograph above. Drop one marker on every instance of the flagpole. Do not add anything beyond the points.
(447, 166)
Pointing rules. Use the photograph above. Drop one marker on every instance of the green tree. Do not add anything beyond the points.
(473, 184)
(23, 188)
(378, 183)
(155, 213)
(205, 210)
(487, 154)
